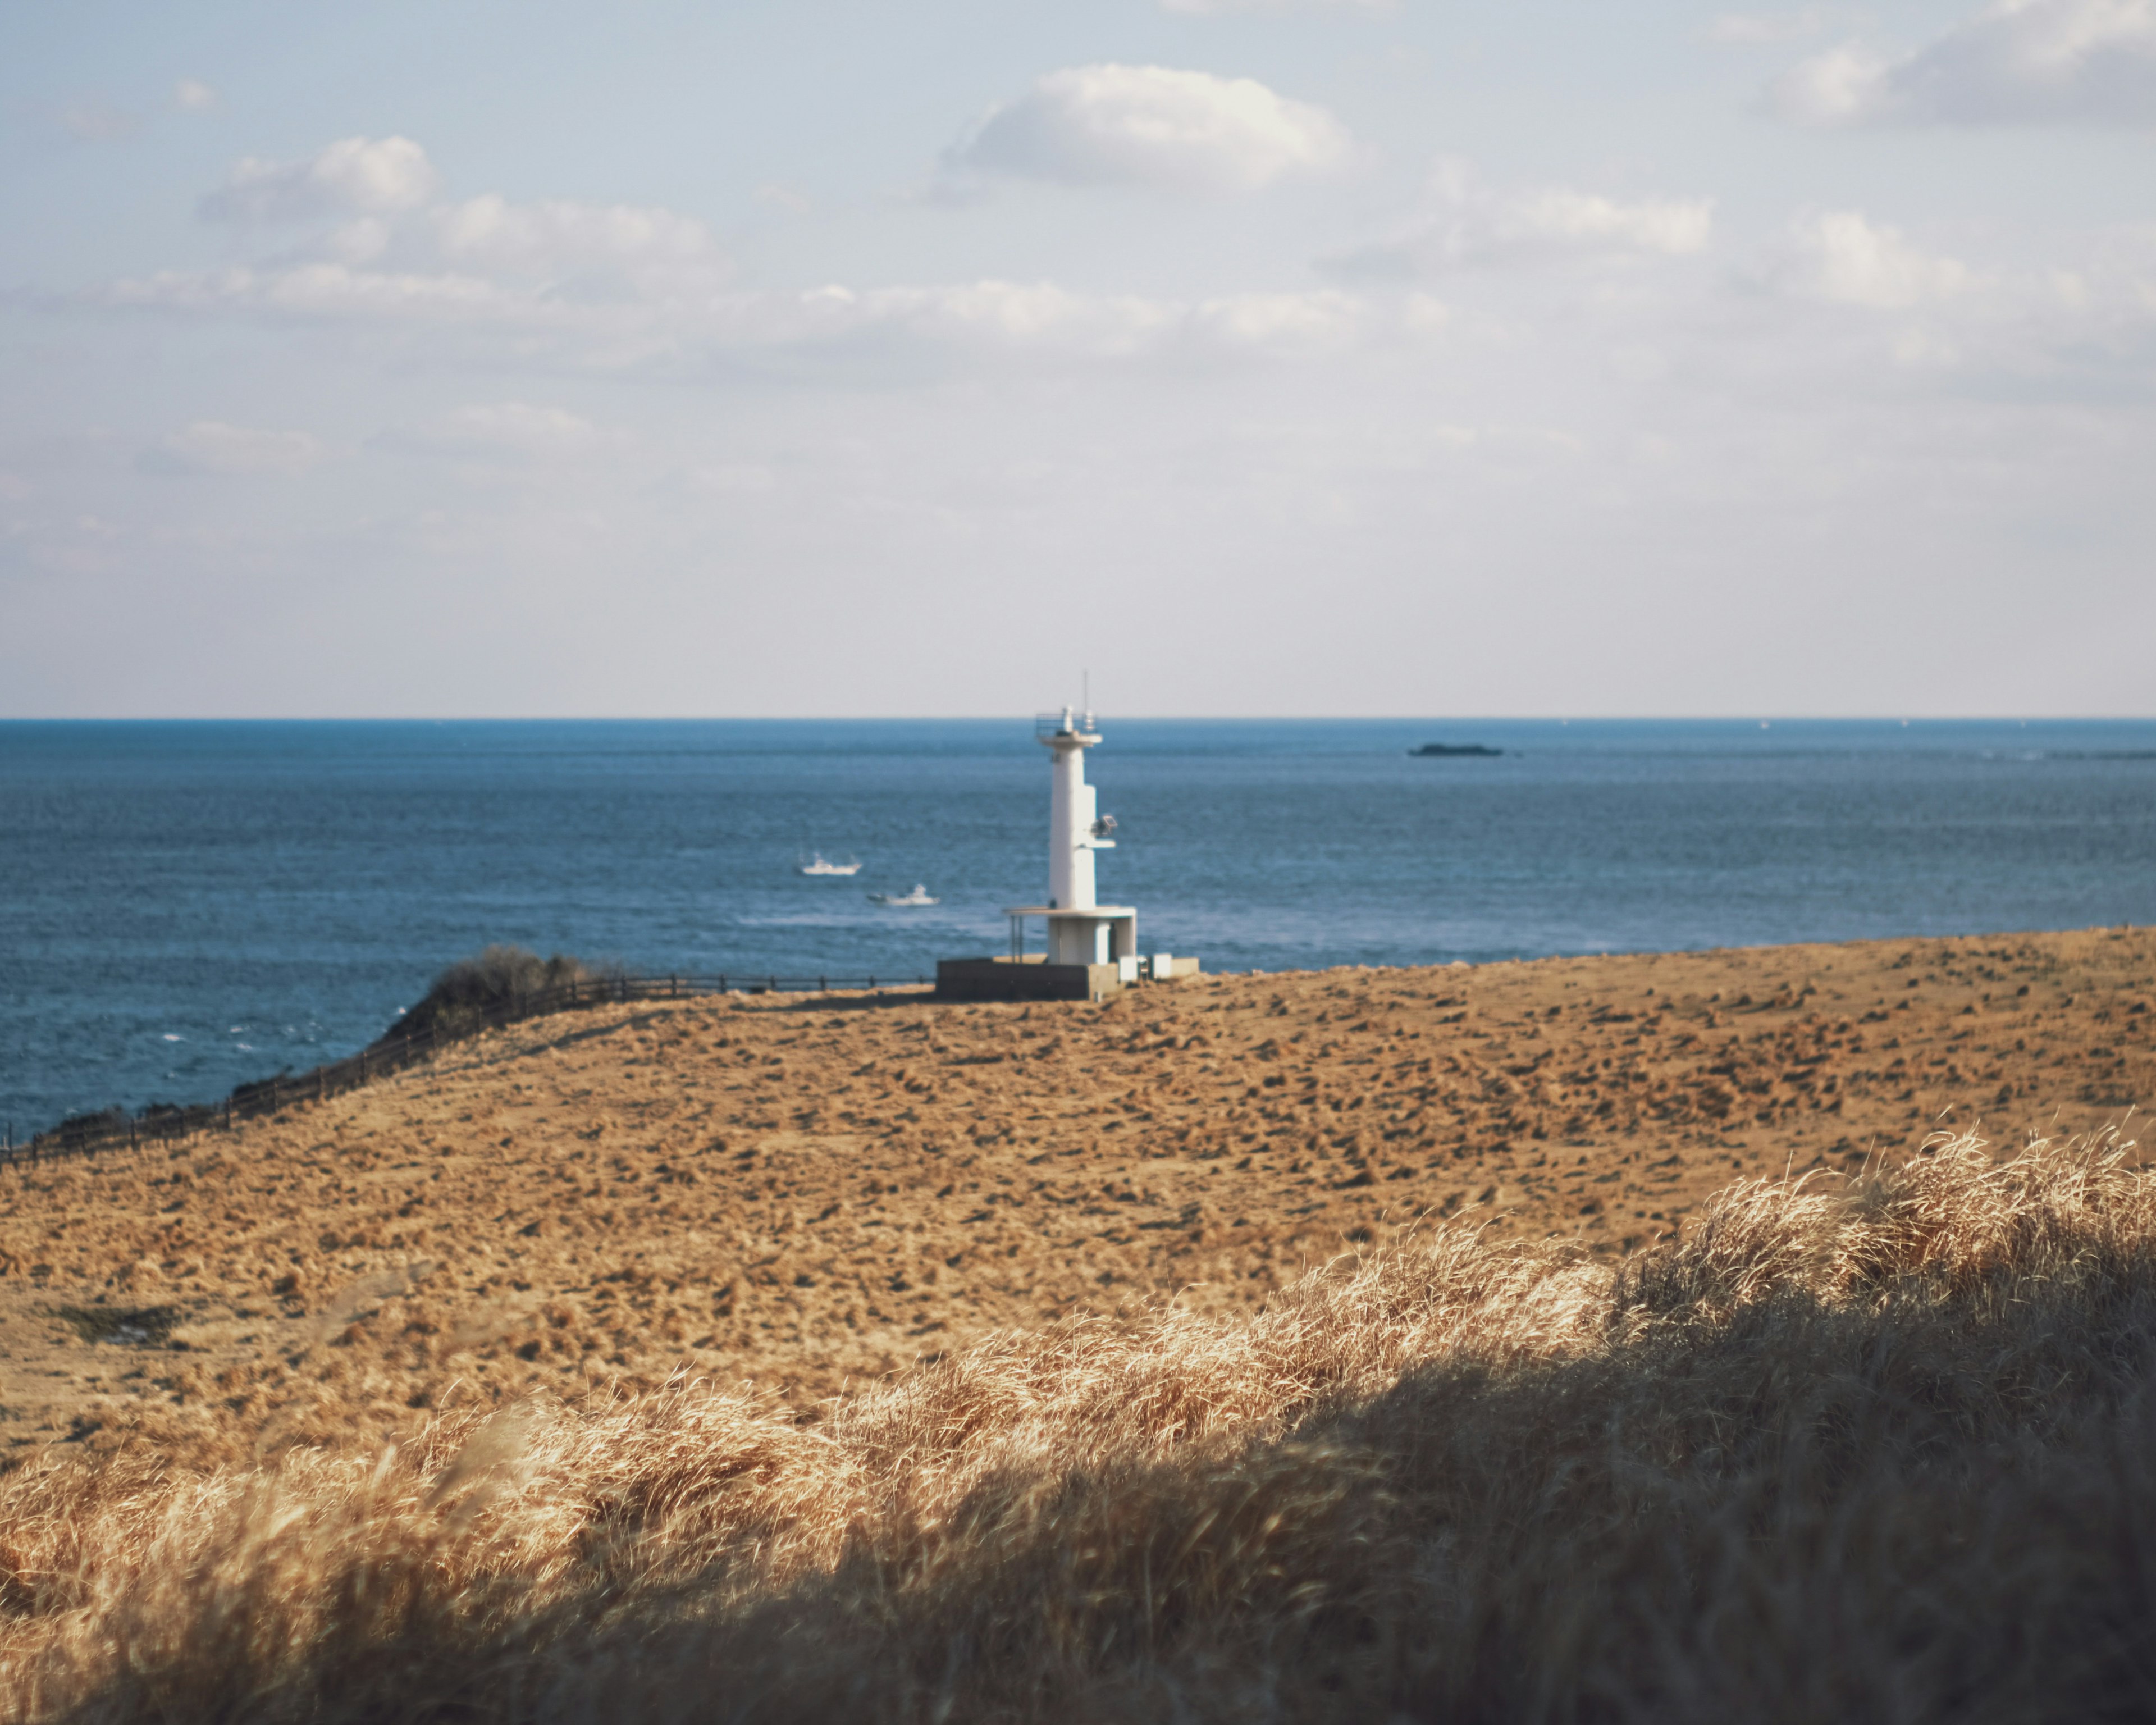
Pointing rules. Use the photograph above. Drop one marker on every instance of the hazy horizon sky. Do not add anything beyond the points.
(1306, 358)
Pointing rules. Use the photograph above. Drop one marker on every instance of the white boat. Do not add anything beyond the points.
(817, 865)
(919, 896)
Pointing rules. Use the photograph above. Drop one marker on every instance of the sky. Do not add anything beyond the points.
(1248, 356)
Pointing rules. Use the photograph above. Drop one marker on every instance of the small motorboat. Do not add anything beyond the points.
(1446, 751)
(816, 863)
(919, 896)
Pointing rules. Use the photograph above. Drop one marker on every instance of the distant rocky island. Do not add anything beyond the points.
(1455, 748)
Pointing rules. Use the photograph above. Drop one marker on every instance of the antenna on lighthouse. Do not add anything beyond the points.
(1086, 692)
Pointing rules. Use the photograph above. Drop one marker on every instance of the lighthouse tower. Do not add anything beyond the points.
(1081, 929)
(1092, 948)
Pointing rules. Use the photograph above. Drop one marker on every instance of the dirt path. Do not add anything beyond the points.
(803, 1194)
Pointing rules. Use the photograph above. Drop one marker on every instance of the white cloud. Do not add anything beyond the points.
(97, 121)
(325, 291)
(1003, 313)
(1284, 322)
(520, 425)
(193, 96)
(1462, 224)
(986, 317)
(1751, 29)
(1154, 126)
(493, 236)
(2018, 60)
(1830, 89)
(385, 241)
(352, 176)
(1842, 256)
(1582, 221)
(515, 428)
(982, 318)
(212, 446)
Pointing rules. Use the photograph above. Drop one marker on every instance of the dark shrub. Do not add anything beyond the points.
(81, 1128)
(474, 992)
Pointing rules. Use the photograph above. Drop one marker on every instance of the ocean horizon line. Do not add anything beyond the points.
(1138, 717)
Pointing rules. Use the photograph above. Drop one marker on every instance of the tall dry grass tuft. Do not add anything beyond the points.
(1883, 1449)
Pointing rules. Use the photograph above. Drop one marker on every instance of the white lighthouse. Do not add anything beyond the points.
(1092, 948)
(1081, 929)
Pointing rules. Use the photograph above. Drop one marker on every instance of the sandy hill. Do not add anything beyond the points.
(808, 1195)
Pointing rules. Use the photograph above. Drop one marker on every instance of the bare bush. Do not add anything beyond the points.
(1876, 1449)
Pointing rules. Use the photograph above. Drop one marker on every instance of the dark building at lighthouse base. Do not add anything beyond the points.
(1032, 978)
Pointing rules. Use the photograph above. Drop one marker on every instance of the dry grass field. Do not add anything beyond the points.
(1587, 1339)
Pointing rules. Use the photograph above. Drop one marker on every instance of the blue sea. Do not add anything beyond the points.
(186, 905)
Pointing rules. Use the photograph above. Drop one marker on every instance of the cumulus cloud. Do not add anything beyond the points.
(381, 243)
(1151, 126)
(492, 236)
(191, 95)
(1281, 321)
(621, 288)
(2016, 61)
(1462, 224)
(364, 177)
(212, 446)
(1842, 256)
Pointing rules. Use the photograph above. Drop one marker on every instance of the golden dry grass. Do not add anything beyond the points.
(1855, 1446)
(811, 1196)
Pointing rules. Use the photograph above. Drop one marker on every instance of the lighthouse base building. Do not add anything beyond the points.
(1092, 949)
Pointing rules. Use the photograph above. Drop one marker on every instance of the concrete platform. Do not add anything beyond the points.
(1032, 978)
(1028, 978)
